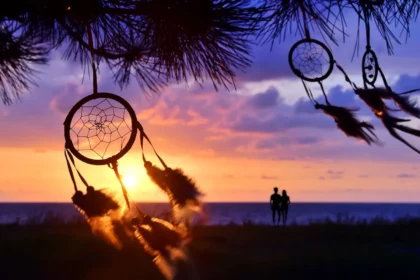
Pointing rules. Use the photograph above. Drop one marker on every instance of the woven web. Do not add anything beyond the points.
(311, 60)
(100, 128)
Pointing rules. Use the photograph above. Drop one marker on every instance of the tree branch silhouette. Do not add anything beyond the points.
(161, 41)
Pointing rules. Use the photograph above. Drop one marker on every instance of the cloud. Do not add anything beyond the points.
(63, 101)
(363, 176)
(336, 173)
(268, 64)
(255, 122)
(406, 176)
(265, 99)
(357, 190)
(332, 174)
(265, 177)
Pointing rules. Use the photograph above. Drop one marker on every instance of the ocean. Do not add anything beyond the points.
(225, 213)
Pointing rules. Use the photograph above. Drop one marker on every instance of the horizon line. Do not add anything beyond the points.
(233, 202)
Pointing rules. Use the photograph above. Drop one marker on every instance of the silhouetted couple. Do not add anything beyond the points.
(279, 204)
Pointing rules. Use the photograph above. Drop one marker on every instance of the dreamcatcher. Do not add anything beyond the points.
(312, 61)
(373, 96)
(99, 130)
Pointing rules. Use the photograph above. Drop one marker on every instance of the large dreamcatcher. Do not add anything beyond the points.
(99, 130)
(312, 61)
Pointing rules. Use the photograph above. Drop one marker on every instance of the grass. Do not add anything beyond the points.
(53, 249)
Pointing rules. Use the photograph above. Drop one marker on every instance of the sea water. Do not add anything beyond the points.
(226, 213)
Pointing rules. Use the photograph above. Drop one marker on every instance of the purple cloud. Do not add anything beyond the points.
(265, 99)
(406, 176)
(287, 141)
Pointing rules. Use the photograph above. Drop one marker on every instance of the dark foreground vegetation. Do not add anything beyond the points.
(319, 251)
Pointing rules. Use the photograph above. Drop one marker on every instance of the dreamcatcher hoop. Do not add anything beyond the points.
(311, 57)
(104, 161)
(370, 64)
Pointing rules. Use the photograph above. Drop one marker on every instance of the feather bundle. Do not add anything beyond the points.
(101, 211)
(373, 98)
(94, 203)
(347, 122)
(391, 123)
(182, 191)
(182, 187)
(405, 103)
(164, 241)
(157, 175)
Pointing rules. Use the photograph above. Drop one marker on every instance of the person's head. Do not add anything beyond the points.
(276, 190)
(284, 192)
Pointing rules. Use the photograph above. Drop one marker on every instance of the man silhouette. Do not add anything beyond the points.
(275, 200)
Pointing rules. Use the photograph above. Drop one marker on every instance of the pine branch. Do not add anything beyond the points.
(157, 41)
(18, 52)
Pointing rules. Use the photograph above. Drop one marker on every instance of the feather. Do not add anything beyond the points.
(182, 191)
(390, 123)
(165, 242)
(182, 187)
(101, 212)
(408, 130)
(357, 132)
(348, 124)
(373, 98)
(185, 196)
(157, 175)
(336, 112)
(407, 104)
(94, 203)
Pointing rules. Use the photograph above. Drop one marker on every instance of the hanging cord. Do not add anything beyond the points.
(323, 92)
(92, 57)
(305, 21)
(309, 92)
(143, 136)
(384, 79)
(68, 155)
(353, 85)
(71, 172)
(366, 14)
(114, 166)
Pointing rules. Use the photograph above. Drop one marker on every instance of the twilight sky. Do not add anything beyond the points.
(238, 145)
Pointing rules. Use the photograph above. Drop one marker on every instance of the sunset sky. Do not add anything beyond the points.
(237, 145)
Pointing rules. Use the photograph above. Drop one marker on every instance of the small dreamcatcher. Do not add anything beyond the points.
(374, 96)
(99, 130)
(312, 61)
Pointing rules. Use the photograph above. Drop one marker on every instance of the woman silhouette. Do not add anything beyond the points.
(284, 208)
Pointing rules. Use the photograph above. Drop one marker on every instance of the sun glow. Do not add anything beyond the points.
(129, 180)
